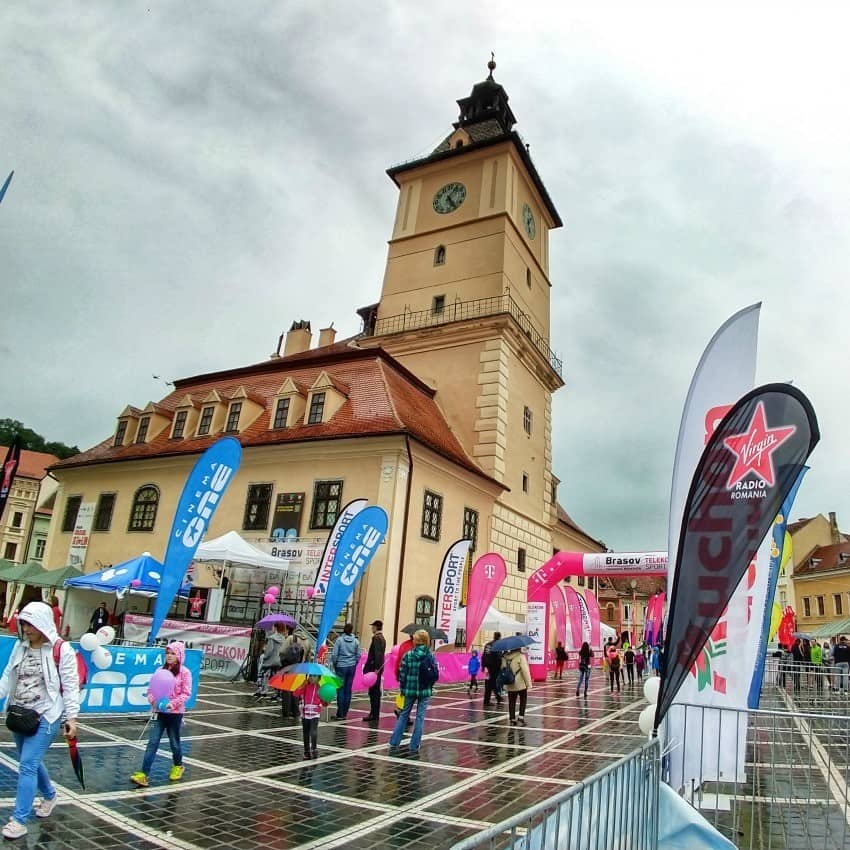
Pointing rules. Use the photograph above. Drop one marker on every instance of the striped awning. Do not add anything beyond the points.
(836, 627)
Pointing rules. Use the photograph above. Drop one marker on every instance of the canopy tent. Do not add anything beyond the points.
(606, 632)
(494, 621)
(138, 575)
(10, 571)
(231, 547)
(828, 630)
(53, 578)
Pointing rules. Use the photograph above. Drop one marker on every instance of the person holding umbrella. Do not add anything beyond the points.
(42, 685)
(518, 678)
(269, 661)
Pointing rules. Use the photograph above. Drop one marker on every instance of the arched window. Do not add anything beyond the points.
(424, 610)
(143, 512)
(440, 255)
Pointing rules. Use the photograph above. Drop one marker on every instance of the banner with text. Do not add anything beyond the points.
(449, 586)
(81, 535)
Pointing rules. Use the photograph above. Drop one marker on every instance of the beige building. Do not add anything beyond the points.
(439, 411)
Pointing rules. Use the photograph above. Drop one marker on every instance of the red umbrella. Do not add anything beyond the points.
(76, 760)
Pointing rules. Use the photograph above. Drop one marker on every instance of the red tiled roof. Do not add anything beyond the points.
(33, 464)
(828, 558)
(794, 527)
(383, 398)
(646, 585)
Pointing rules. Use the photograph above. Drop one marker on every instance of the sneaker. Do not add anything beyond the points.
(139, 779)
(315, 754)
(13, 829)
(176, 772)
(46, 807)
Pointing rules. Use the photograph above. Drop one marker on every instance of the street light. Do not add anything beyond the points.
(633, 585)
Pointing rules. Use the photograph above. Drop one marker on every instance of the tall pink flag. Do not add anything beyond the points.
(487, 575)
(558, 604)
(574, 610)
(593, 611)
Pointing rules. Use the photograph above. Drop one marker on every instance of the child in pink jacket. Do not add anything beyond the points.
(168, 717)
(311, 710)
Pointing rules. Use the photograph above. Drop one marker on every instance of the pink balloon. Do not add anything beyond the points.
(369, 679)
(136, 582)
(309, 592)
(161, 684)
(269, 599)
(274, 590)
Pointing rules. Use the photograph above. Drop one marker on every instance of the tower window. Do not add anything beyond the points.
(440, 255)
(520, 560)
(525, 482)
(528, 278)
(438, 304)
(527, 420)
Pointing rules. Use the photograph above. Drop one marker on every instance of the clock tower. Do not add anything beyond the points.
(465, 300)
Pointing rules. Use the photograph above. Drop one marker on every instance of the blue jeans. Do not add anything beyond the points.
(401, 722)
(343, 695)
(169, 723)
(32, 774)
(583, 676)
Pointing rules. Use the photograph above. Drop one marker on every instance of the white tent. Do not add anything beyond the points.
(606, 632)
(494, 621)
(231, 547)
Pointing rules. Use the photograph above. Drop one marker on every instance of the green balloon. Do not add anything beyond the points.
(327, 692)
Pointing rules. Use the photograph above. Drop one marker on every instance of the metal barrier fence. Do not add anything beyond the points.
(793, 789)
(615, 809)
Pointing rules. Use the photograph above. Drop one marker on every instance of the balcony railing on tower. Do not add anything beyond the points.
(459, 311)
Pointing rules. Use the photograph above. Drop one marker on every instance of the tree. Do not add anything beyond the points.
(10, 428)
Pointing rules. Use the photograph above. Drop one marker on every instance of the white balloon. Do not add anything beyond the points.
(101, 658)
(89, 641)
(650, 689)
(646, 719)
(106, 634)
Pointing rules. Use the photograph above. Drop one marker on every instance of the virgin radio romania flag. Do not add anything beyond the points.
(747, 469)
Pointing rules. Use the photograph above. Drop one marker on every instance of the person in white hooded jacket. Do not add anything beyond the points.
(31, 680)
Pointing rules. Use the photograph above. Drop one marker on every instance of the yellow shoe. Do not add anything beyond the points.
(176, 772)
(140, 779)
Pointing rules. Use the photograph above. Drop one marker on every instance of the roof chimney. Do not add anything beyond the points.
(327, 336)
(298, 338)
(833, 528)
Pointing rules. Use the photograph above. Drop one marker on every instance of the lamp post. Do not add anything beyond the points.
(633, 585)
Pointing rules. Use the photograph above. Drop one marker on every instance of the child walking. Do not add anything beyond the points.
(311, 711)
(474, 668)
(169, 719)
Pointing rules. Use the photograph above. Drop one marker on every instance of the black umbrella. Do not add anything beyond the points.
(511, 643)
(76, 761)
(433, 632)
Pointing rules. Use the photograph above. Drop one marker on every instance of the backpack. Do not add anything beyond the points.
(429, 672)
(292, 654)
(506, 674)
(82, 670)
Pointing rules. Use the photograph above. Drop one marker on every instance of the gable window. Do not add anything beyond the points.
(142, 434)
(206, 421)
(438, 304)
(317, 408)
(179, 424)
(233, 417)
(120, 433)
(257, 507)
(143, 511)
(525, 482)
(327, 496)
(424, 611)
(807, 607)
(17, 519)
(470, 527)
(526, 420)
(281, 413)
(40, 546)
(836, 601)
(520, 559)
(103, 512)
(440, 255)
(69, 519)
(432, 511)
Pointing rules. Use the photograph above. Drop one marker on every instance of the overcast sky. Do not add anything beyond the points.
(192, 177)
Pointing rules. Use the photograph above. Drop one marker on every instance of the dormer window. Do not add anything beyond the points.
(120, 433)
(144, 424)
(233, 417)
(440, 255)
(281, 413)
(206, 421)
(317, 408)
(179, 424)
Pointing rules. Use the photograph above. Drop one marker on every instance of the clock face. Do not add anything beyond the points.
(528, 221)
(448, 198)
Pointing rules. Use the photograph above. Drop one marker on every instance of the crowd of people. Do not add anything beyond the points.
(819, 667)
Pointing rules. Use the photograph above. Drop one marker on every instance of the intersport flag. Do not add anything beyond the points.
(487, 575)
(343, 520)
(586, 630)
(747, 469)
(449, 586)
(201, 495)
(10, 470)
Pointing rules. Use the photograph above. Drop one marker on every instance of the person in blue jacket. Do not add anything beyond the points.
(474, 668)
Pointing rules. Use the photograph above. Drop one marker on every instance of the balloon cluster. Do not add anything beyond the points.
(646, 718)
(95, 643)
(271, 595)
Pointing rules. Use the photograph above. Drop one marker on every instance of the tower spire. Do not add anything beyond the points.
(491, 65)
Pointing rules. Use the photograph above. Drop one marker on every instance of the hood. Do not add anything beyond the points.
(347, 638)
(40, 615)
(179, 649)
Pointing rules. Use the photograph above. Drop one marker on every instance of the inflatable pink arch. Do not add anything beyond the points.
(564, 564)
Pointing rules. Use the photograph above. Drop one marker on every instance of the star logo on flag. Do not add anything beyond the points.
(754, 449)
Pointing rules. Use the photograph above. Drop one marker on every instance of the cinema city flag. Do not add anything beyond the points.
(201, 495)
(747, 469)
(10, 469)
(487, 575)
(448, 588)
(343, 520)
(355, 551)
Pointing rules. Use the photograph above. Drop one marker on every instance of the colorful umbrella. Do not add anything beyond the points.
(291, 678)
(270, 619)
(76, 761)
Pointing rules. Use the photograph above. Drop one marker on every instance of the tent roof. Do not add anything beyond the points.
(10, 571)
(494, 620)
(53, 578)
(827, 630)
(231, 547)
